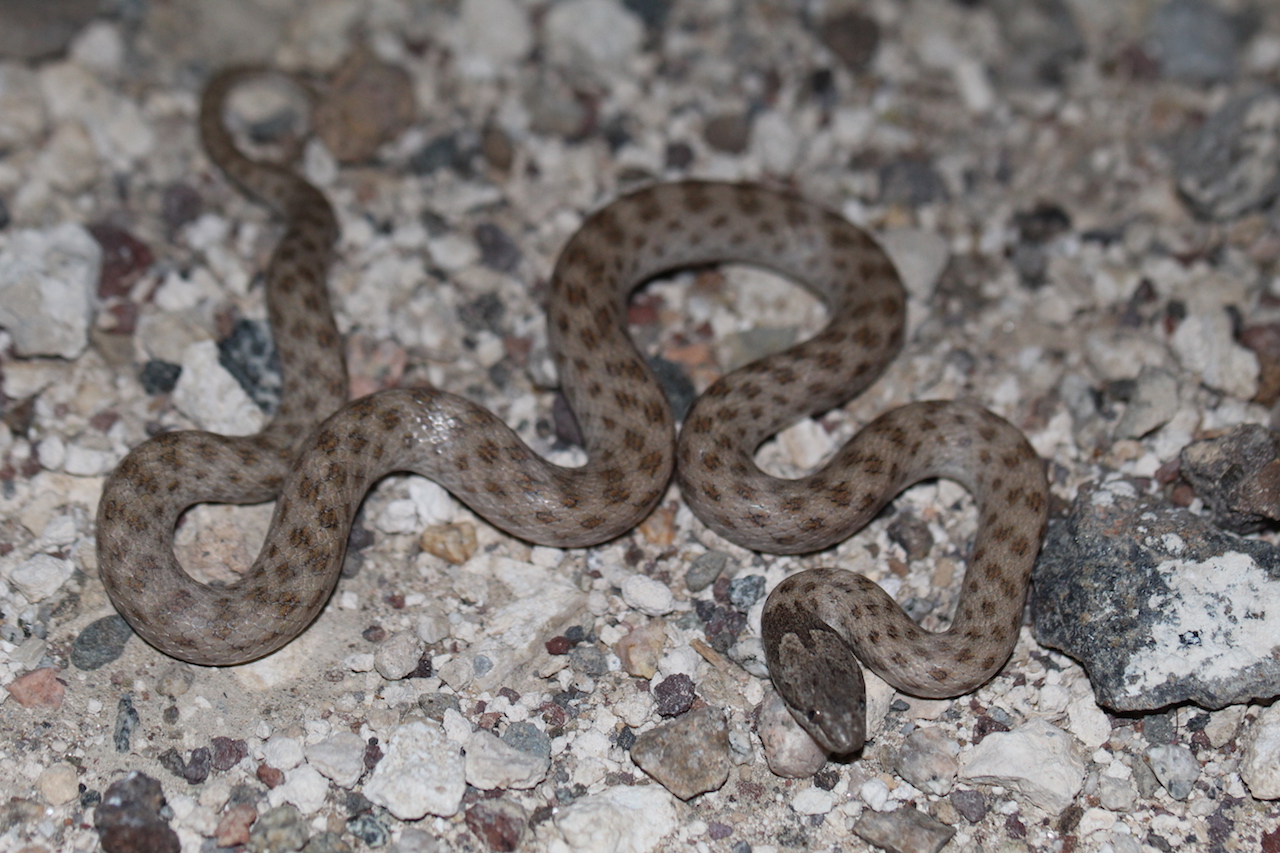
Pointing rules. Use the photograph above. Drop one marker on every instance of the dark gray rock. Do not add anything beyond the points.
(1231, 164)
(129, 817)
(904, 830)
(100, 643)
(249, 354)
(1238, 476)
(1044, 41)
(1160, 606)
(1194, 41)
(704, 570)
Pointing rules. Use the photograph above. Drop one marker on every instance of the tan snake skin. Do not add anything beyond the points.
(319, 474)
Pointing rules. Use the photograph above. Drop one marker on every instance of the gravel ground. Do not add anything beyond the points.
(1079, 195)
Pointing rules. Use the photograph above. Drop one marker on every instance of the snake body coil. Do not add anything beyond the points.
(319, 455)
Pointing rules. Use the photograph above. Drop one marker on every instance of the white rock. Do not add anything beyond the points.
(52, 453)
(88, 462)
(208, 394)
(48, 280)
(1037, 760)
(282, 752)
(422, 773)
(1260, 768)
(920, 257)
(499, 29)
(491, 763)
(682, 660)
(398, 655)
(649, 596)
(359, 662)
(1204, 344)
(304, 787)
(22, 110)
(788, 749)
(875, 793)
(40, 576)
(775, 141)
(1224, 724)
(618, 820)
(813, 801)
(98, 47)
(1088, 722)
(58, 784)
(595, 36)
(69, 161)
(340, 757)
(432, 626)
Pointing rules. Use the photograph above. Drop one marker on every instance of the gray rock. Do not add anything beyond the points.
(1158, 605)
(1231, 164)
(1043, 39)
(1195, 41)
(1175, 767)
(280, 829)
(1238, 476)
(927, 760)
(788, 749)
(704, 570)
(32, 29)
(399, 655)
(1117, 795)
(689, 755)
(339, 757)
(1154, 402)
(904, 830)
(493, 764)
(101, 642)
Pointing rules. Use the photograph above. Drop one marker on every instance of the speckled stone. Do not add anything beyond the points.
(689, 755)
(1146, 597)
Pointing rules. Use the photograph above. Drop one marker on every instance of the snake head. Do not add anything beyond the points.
(818, 678)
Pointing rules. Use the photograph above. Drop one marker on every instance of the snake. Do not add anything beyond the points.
(320, 453)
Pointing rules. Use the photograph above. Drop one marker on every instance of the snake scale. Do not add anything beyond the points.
(320, 454)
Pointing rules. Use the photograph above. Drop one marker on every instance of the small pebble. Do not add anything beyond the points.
(1176, 768)
(233, 826)
(674, 695)
(58, 784)
(453, 542)
(40, 688)
(500, 824)
(902, 830)
(651, 597)
(788, 749)
(641, 648)
(128, 818)
(368, 102)
(705, 569)
(279, 829)
(689, 755)
(366, 827)
(422, 773)
(398, 656)
(971, 804)
(927, 759)
(745, 591)
(339, 757)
